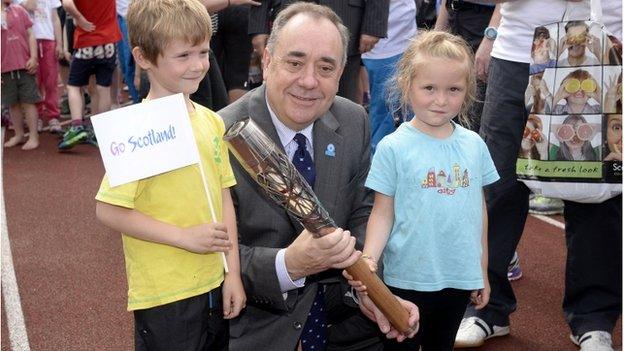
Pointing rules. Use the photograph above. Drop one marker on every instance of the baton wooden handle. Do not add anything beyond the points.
(381, 295)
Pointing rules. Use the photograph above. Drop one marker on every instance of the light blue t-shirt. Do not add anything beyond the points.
(436, 184)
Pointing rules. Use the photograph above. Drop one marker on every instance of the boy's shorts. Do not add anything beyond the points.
(99, 60)
(19, 86)
(195, 323)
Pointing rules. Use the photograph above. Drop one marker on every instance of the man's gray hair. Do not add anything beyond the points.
(313, 10)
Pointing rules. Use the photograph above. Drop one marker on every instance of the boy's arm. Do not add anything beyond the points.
(203, 238)
(31, 64)
(79, 19)
(233, 291)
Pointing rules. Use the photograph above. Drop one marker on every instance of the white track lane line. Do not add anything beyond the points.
(10, 293)
(550, 221)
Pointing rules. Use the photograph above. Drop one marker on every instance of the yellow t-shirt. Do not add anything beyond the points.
(159, 274)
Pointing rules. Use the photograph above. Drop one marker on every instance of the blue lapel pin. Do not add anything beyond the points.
(330, 150)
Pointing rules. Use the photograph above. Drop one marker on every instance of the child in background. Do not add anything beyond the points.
(95, 36)
(47, 30)
(177, 288)
(429, 216)
(19, 65)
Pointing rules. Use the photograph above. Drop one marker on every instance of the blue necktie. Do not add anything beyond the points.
(302, 159)
(314, 335)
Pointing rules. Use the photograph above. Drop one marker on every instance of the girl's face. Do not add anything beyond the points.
(574, 143)
(437, 94)
(579, 97)
(614, 133)
(531, 136)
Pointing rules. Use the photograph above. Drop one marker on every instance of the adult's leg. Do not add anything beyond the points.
(126, 62)
(348, 81)
(593, 284)
(379, 72)
(502, 124)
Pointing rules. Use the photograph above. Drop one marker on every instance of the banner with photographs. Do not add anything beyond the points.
(572, 142)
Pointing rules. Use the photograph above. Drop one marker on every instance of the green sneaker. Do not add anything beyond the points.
(541, 205)
(73, 136)
(91, 139)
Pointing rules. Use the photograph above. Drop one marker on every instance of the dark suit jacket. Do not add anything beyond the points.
(360, 16)
(271, 322)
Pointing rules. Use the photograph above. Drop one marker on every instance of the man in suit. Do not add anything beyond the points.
(283, 266)
(367, 21)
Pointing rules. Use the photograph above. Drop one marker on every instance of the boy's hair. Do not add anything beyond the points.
(426, 45)
(312, 10)
(154, 24)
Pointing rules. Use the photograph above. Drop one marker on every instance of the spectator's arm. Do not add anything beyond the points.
(483, 54)
(217, 5)
(79, 19)
(442, 22)
(58, 34)
(30, 5)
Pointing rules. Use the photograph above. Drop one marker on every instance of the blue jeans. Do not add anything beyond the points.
(379, 71)
(126, 62)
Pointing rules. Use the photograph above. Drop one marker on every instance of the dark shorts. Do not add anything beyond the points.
(100, 60)
(195, 323)
(19, 86)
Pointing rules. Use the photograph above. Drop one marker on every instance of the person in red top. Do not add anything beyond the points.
(19, 65)
(95, 36)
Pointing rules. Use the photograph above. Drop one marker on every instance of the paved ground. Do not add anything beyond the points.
(70, 272)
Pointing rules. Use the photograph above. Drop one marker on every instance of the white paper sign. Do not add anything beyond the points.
(145, 139)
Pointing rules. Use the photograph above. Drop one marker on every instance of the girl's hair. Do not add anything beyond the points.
(427, 45)
(579, 74)
(564, 153)
(154, 24)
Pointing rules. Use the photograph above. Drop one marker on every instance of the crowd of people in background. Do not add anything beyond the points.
(65, 60)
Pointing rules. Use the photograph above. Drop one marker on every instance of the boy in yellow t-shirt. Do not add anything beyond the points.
(176, 285)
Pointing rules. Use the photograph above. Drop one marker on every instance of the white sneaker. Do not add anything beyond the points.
(473, 331)
(596, 340)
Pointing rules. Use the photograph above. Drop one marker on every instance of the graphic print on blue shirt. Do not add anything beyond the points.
(446, 182)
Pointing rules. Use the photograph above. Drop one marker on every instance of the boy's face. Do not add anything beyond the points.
(178, 69)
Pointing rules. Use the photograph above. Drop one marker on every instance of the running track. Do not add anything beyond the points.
(69, 269)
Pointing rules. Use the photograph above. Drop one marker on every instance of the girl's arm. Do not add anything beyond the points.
(378, 229)
(203, 238)
(480, 298)
(233, 292)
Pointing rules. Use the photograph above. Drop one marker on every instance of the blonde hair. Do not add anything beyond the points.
(427, 45)
(154, 24)
(314, 11)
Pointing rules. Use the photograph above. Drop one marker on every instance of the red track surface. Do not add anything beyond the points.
(71, 274)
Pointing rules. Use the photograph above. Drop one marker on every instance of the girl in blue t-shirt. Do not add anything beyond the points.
(429, 216)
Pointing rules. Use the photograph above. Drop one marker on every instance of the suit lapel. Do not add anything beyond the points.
(259, 113)
(328, 158)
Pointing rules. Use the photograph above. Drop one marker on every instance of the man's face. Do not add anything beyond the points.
(303, 72)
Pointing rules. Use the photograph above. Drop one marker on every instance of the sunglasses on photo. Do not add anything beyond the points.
(572, 85)
(534, 134)
(583, 131)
